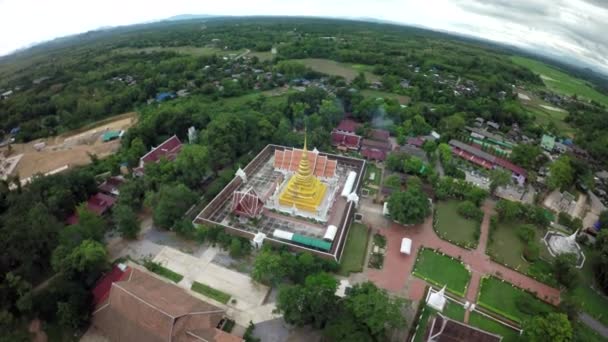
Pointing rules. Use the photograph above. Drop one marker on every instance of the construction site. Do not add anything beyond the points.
(55, 154)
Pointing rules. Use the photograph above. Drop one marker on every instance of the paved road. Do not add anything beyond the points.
(593, 324)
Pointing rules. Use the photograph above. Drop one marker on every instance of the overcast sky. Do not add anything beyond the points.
(571, 28)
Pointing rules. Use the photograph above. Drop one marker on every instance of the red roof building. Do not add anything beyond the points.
(375, 150)
(247, 203)
(379, 134)
(347, 126)
(417, 141)
(99, 204)
(484, 159)
(168, 150)
(102, 288)
(345, 141)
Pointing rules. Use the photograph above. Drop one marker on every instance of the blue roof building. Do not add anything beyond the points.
(160, 97)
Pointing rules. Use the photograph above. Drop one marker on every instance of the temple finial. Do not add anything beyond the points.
(305, 134)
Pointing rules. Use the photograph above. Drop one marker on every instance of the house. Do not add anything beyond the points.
(379, 135)
(344, 137)
(169, 149)
(493, 125)
(377, 146)
(547, 143)
(138, 306)
(111, 185)
(99, 204)
(443, 329)
(415, 141)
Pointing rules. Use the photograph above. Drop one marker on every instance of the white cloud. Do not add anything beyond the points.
(570, 28)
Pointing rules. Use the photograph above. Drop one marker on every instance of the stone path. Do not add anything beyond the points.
(398, 267)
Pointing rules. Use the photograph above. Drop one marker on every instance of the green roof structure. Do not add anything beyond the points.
(110, 135)
(547, 142)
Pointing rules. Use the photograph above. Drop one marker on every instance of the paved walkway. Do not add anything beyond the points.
(398, 267)
(593, 324)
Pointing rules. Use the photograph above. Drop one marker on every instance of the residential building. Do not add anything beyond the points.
(484, 159)
(377, 146)
(547, 143)
(99, 204)
(344, 137)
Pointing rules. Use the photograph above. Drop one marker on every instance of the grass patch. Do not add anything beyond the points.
(210, 292)
(441, 270)
(402, 99)
(544, 117)
(507, 248)
(484, 323)
(354, 250)
(452, 226)
(561, 82)
(590, 300)
(346, 70)
(163, 271)
(370, 169)
(503, 298)
(262, 56)
(582, 333)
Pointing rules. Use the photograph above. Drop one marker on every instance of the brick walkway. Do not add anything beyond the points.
(398, 267)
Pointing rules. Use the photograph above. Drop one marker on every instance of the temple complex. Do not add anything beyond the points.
(304, 190)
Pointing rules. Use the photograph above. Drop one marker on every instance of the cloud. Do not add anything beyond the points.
(574, 29)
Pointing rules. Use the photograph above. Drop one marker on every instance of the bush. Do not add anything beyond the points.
(531, 252)
(469, 210)
(526, 233)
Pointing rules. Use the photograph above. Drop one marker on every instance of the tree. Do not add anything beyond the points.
(600, 266)
(413, 165)
(360, 81)
(561, 173)
(192, 163)
(170, 204)
(429, 147)
(393, 182)
(526, 156)
(445, 153)
(565, 270)
(136, 150)
(553, 327)
(604, 219)
(499, 177)
(312, 303)
(269, 268)
(374, 310)
(452, 125)
(89, 258)
(409, 207)
(126, 221)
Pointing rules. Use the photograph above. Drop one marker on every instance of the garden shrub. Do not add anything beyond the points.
(530, 307)
(526, 233)
(469, 210)
(531, 252)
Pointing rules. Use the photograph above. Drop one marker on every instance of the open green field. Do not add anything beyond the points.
(484, 323)
(327, 66)
(262, 56)
(402, 99)
(165, 272)
(502, 297)
(210, 292)
(441, 270)
(544, 117)
(186, 50)
(451, 310)
(371, 168)
(452, 226)
(561, 82)
(355, 250)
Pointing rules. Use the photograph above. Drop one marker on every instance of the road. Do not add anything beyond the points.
(593, 324)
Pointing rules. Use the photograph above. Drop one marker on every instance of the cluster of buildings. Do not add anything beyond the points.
(374, 147)
(101, 202)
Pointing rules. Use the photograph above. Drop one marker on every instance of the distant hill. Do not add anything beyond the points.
(189, 17)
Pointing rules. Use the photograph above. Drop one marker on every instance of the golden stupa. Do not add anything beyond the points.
(304, 190)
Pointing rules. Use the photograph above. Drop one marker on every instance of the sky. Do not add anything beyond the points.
(572, 29)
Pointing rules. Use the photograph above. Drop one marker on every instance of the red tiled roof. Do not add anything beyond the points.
(379, 134)
(352, 141)
(110, 186)
(289, 159)
(103, 286)
(98, 204)
(347, 125)
(247, 203)
(168, 149)
(373, 154)
(373, 144)
(418, 142)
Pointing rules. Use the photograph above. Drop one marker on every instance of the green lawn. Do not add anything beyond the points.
(442, 270)
(453, 227)
(402, 99)
(544, 117)
(590, 301)
(582, 333)
(501, 297)
(484, 323)
(451, 310)
(330, 67)
(506, 248)
(371, 168)
(210, 292)
(164, 272)
(355, 250)
(561, 82)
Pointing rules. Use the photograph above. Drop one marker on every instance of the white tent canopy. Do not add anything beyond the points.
(406, 246)
(437, 300)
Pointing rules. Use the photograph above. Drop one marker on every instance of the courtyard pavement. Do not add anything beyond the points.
(395, 274)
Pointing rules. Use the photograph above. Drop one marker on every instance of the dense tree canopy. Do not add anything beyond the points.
(410, 206)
